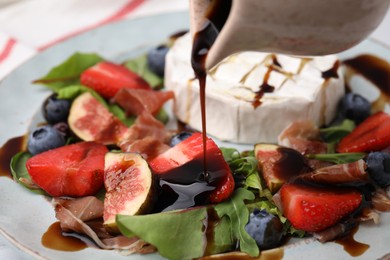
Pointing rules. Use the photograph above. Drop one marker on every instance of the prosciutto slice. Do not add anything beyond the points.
(139, 101)
(145, 126)
(304, 137)
(336, 231)
(148, 147)
(338, 174)
(84, 216)
(381, 200)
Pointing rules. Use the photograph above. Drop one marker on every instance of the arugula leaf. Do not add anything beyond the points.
(245, 165)
(68, 72)
(184, 234)
(121, 115)
(20, 173)
(140, 66)
(221, 241)
(230, 154)
(338, 158)
(162, 116)
(73, 91)
(238, 214)
(336, 133)
(176, 234)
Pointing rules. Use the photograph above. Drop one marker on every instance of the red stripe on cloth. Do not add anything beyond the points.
(7, 49)
(126, 9)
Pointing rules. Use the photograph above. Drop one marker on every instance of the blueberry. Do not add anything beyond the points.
(378, 167)
(156, 59)
(44, 138)
(265, 228)
(178, 138)
(355, 107)
(55, 110)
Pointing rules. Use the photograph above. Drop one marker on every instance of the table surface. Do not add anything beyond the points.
(7, 249)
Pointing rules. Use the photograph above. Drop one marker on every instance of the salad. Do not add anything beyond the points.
(116, 174)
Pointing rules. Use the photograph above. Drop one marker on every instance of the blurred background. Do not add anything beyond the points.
(30, 26)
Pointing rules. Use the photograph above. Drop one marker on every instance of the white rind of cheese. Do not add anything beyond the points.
(300, 93)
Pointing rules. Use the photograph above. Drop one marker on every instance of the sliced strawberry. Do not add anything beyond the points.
(108, 78)
(223, 191)
(373, 134)
(314, 209)
(184, 163)
(74, 170)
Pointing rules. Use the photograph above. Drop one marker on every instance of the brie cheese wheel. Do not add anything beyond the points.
(295, 89)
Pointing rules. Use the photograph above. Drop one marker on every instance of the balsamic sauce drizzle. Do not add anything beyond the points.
(216, 15)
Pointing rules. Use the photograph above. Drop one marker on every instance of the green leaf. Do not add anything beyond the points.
(245, 164)
(336, 133)
(68, 72)
(121, 115)
(162, 116)
(191, 233)
(140, 66)
(253, 181)
(230, 154)
(176, 234)
(338, 158)
(221, 241)
(100, 195)
(72, 91)
(238, 214)
(20, 173)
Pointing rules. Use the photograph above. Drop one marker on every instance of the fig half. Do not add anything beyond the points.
(129, 187)
(90, 120)
(278, 164)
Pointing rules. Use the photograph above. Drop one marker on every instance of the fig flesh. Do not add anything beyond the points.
(129, 187)
(278, 164)
(90, 120)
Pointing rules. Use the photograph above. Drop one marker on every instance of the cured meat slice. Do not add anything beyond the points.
(381, 201)
(338, 174)
(138, 101)
(83, 216)
(148, 147)
(303, 136)
(145, 126)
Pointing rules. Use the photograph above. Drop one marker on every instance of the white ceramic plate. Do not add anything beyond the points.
(24, 217)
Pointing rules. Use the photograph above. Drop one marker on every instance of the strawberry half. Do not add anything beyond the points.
(74, 170)
(184, 162)
(373, 134)
(108, 78)
(313, 209)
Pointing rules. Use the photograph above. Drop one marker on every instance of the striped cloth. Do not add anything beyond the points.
(30, 26)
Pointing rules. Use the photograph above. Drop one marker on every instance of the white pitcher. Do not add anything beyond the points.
(297, 27)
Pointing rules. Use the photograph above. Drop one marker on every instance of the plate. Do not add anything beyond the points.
(25, 217)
